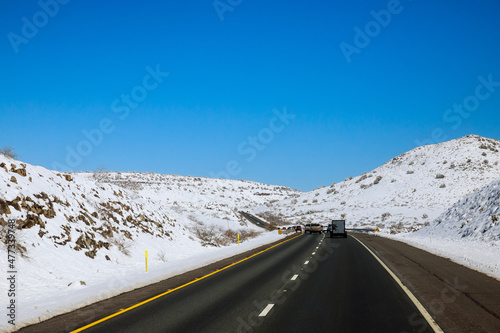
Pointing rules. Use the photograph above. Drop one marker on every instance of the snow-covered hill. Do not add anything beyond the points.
(404, 194)
(92, 212)
(83, 236)
(476, 216)
(467, 233)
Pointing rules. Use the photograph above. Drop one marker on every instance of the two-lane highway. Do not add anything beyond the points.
(308, 284)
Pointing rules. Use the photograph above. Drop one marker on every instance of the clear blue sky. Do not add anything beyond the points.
(353, 100)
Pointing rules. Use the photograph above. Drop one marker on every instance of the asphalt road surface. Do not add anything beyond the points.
(308, 284)
(255, 220)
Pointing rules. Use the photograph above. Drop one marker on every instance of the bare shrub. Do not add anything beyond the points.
(8, 152)
(208, 235)
(271, 226)
(122, 244)
(161, 256)
(363, 177)
(19, 247)
(246, 234)
(439, 176)
(273, 219)
(216, 236)
(385, 216)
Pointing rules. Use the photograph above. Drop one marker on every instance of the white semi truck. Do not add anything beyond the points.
(338, 229)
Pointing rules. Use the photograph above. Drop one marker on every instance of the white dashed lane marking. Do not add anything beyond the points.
(266, 310)
(295, 277)
(306, 262)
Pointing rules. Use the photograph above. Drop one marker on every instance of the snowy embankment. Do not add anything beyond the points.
(74, 287)
(82, 237)
(467, 233)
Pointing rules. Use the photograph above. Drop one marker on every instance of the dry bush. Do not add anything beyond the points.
(8, 152)
(246, 234)
(122, 244)
(19, 248)
(208, 235)
(274, 220)
(271, 226)
(161, 256)
(211, 235)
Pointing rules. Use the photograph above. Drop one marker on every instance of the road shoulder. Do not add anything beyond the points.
(458, 298)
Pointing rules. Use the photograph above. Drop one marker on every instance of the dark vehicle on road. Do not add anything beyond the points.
(337, 228)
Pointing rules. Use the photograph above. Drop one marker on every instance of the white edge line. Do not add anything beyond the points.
(415, 301)
(266, 310)
(295, 277)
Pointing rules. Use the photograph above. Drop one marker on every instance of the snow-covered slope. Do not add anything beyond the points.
(89, 212)
(405, 193)
(83, 236)
(476, 216)
(467, 233)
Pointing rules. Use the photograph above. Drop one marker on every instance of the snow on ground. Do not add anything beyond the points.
(86, 234)
(476, 254)
(467, 233)
(102, 279)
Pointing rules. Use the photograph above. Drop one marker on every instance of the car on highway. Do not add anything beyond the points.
(298, 228)
(313, 227)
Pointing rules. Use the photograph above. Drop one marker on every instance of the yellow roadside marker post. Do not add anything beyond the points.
(238, 239)
(146, 260)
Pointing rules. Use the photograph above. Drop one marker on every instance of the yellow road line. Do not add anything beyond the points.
(172, 290)
(420, 307)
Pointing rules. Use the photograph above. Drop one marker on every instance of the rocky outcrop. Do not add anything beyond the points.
(20, 171)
